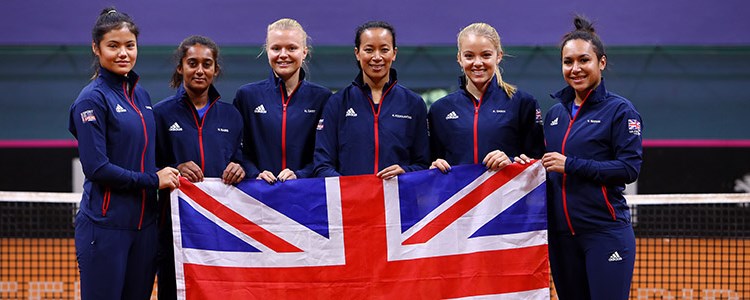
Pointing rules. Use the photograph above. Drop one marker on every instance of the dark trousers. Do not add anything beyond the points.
(594, 265)
(115, 263)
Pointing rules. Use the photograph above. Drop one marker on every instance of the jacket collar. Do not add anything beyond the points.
(183, 97)
(492, 88)
(278, 81)
(567, 94)
(115, 81)
(360, 81)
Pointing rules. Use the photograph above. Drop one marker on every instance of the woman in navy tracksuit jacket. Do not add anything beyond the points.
(115, 230)
(195, 133)
(594, 148)
(281, 112)
(486, 120)
(375, 125)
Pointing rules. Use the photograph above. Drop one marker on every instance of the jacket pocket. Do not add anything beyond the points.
(609, 205)
(105, 201)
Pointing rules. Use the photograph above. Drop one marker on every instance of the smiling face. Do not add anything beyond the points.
(286, 49)
(117, 51)
(376, 53)
(478, 58)
(580, 67)
(198, 68)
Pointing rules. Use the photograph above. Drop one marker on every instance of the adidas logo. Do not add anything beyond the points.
(175, 127)
(351, 113)
(553, 123)
(615, 257)
(119, 109)
(260, 109)
(451, 116)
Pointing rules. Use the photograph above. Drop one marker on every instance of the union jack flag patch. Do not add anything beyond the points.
(88, 116)
(320, 125)
(539, 117)
(634, 126)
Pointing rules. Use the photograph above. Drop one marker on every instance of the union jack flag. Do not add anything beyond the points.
(423, 235)
(634, 126)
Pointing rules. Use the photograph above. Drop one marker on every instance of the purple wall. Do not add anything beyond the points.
(418, 22)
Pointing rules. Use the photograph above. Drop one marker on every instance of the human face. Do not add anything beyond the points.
(580, 67)
(198, 68)
(286, 51)
(376, 53)
(479, 59)
(117, 51)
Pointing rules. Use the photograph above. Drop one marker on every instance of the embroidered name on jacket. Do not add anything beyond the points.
(397, 116)
(222, 129)
(309, 111)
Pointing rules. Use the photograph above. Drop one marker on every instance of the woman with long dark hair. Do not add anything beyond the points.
(115, 228)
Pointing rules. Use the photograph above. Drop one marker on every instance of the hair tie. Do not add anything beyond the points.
(111, 11)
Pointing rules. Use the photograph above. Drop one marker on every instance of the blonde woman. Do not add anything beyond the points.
(487, 120)
(281, 113)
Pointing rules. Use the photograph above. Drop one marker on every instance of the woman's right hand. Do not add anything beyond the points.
(441, 165)
(168, 178)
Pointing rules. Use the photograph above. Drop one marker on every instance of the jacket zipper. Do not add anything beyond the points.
(285, 104)
(376, 115)
(565, 176)
(477, 105)
(200, 125)
(145, 145)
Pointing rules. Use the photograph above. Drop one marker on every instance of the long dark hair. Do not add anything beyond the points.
(109, 19)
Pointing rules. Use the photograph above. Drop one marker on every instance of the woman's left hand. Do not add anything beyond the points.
(522, 159)
(554, 162)
(390, 172)
(233, 173)
(496, 160)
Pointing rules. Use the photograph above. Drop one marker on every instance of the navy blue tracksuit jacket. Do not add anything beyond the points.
(463, 129)
(280, 128)
(115, 132)
(212, 142)
(356, 137)
(602, 143)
